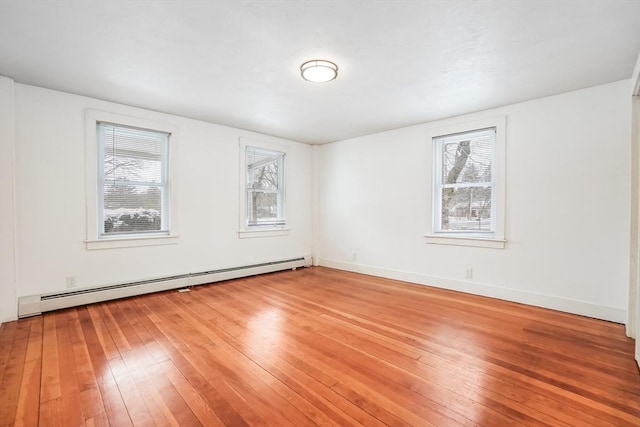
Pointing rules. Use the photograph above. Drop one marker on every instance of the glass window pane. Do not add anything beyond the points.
(129, 208)
(262, 208)
(133, 155)
(468, 158)
(262, 169)
(466, 209)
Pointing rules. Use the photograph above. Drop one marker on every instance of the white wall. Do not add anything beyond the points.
(568, 185)
(51, 224)
(8, 307)
(567, 212)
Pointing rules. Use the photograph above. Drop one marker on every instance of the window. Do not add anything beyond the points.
(468, 185)
(263, 169)
(129, 180)
(265, 187)
(464, 182)
(133, 181)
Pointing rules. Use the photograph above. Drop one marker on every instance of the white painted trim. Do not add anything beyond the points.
(633, 317)
(634, 255)
(612, 314)
(635, 79)
(93, 241)
(476, 242)
(131, 242)
(263, 232)
(315, 203)
(8, 216)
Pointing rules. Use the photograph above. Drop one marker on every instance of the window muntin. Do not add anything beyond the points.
(464, 184)
(264, 187)
(133, 181)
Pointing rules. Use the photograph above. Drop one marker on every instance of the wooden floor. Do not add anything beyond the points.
(316, 346)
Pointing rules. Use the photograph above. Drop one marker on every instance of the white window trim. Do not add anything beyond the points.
(94, 241)
(245, 231)
(491, 240)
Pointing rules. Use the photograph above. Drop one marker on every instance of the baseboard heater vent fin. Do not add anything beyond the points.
(110, 287)
(38, 304)
(264, 264)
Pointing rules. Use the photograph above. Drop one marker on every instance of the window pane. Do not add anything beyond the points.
(129, 208)
(262, 168)
(466, 209)
(133, 155)
(262, 208)
(468, 158)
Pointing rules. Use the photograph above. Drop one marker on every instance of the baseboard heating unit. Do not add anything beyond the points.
(38, 304)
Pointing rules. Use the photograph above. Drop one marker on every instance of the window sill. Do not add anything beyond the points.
(478, 242)
(131, 242)
(263, 232)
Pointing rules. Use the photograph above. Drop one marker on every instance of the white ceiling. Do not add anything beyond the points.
(237, 62)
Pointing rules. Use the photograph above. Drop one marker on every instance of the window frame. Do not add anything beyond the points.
(489, 239)
(96, 239)
(247, 230)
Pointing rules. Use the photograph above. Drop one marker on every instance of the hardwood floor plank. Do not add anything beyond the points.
(325, 415)
(241, 374)
(362, 350)
(446, 366)
(70, 397)
(142, 365)
(111, 324)
(475, 346)
(181, 357)
(50, 384)
(330, 355)
(112, 401)
(256, 346)
(14, 371)
(316, 346)
(7, 335)
(634, 408)
(100, 421)
(136, 408)
(90, 396)
(198, 404)
(28, 403)
(51, 413)
(107, 345)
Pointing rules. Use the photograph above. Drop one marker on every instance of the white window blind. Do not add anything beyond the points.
(264, 187)
(133, 181)
(464, 183)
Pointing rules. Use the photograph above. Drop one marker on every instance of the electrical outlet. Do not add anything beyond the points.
(354, 257)
(72, 281)
(469, 273)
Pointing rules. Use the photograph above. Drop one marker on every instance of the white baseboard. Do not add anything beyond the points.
(582, 308)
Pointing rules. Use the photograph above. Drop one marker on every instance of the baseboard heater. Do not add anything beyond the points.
(38, 304)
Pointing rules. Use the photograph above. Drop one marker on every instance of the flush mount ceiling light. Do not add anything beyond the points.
(319, 71)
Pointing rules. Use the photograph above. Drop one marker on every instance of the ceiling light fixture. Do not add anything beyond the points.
(319, 71)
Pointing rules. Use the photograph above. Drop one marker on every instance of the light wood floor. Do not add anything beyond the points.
(316, 346)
